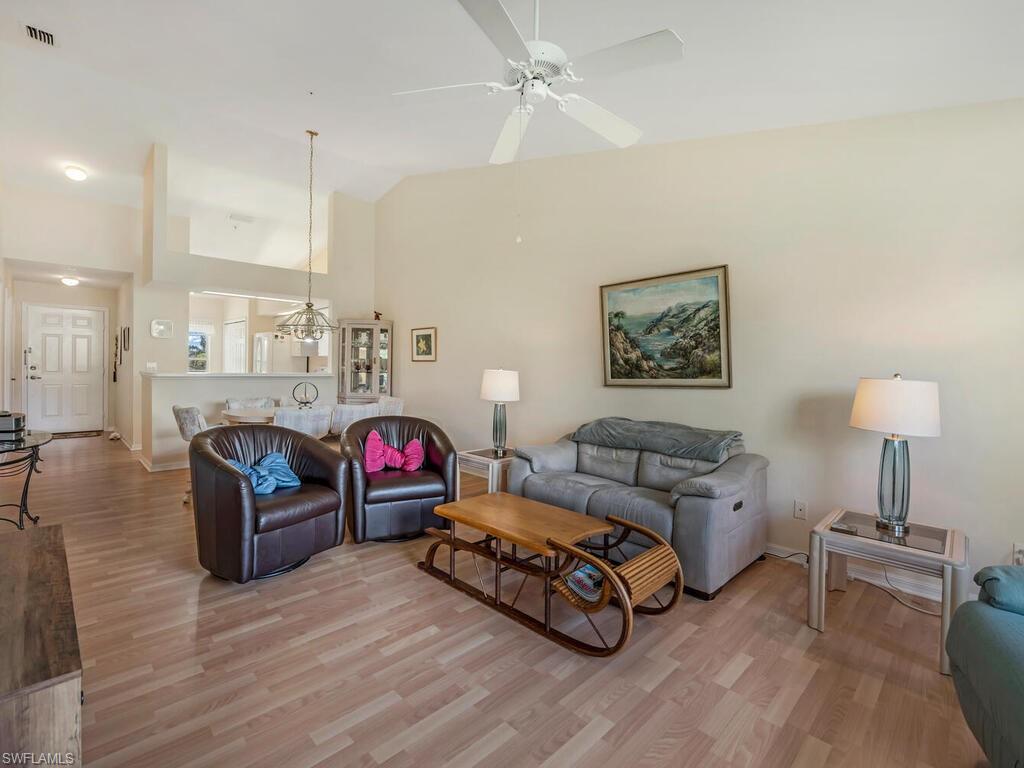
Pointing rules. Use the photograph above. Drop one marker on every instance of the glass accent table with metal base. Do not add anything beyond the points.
(939, 552)
(22, 457)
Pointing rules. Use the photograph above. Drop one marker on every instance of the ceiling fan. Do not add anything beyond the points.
(533, 67)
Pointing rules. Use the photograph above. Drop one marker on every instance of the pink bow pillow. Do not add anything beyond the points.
(377, 454)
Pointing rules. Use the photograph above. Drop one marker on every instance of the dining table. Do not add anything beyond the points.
(249, 415)
(312, 420)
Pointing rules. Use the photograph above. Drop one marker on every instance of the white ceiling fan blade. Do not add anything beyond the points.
(600, 120)
(655, 48)
(493, 19)
(507, 146)
(445, 89)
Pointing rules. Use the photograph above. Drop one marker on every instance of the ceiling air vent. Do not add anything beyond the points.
(39, 35)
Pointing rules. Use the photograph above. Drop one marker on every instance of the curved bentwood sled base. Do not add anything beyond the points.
(627, 586)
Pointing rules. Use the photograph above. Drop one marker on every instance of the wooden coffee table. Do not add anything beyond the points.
(550, 536)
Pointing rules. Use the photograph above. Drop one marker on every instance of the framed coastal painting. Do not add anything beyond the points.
(669, 331)
(424, 345)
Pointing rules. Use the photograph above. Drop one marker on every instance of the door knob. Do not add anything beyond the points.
(35, 378)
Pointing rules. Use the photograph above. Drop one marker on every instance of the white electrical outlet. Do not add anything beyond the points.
(1018, 554)
(800, 510)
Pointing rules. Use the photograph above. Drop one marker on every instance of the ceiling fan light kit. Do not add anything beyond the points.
(534, 66)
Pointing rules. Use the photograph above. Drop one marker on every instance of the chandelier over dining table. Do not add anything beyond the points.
(308, 323)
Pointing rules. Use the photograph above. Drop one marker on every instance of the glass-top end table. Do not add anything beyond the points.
(918, 536)
(925, 549)
(491, 453)
(22, 456)
(487, 463)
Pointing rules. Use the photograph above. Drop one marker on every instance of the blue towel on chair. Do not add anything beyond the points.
(272, 472)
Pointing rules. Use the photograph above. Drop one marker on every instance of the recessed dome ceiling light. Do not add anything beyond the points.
(75, 173)
(70, 281)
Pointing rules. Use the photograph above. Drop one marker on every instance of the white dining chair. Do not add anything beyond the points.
(190, 423)
(349, 413)
(242, 403)
(390, 406)
(314, 421)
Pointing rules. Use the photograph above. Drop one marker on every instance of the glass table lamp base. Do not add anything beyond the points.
(896, 529)
(894, 486)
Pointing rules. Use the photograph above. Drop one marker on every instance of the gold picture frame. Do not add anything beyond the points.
(668, 331)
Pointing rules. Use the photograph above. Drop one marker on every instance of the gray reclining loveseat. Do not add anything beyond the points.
(698, 488)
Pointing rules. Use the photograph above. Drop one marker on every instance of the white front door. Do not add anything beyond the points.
(63, 368)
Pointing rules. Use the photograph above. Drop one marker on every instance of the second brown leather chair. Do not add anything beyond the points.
(393, 504)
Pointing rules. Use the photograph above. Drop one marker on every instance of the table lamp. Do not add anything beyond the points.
(499, 387)
(900, 409)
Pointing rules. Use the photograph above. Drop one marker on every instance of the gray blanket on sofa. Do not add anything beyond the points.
(658, 436)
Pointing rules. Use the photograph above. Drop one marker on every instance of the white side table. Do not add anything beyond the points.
(486, 463)
(939, 552)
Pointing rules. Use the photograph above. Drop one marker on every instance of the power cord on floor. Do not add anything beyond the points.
(895, 592)
(786, 557)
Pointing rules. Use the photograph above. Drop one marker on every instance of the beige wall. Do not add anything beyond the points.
(61, 229)
(854, 249)
(56, 294)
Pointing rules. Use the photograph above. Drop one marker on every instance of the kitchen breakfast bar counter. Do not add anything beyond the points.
(160, 445)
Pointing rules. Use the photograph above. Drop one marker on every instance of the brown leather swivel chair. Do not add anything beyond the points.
(242, 536)
(393, 504)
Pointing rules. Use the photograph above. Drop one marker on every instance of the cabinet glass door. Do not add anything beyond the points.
(384, 371)
(360, 367)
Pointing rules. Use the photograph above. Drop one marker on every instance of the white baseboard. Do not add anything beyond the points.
(915, 584)
(150, 467)
(129, 446)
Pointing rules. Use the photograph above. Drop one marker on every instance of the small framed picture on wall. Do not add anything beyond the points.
(424, 345)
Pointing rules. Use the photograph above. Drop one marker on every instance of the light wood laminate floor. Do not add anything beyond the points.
(359, 659)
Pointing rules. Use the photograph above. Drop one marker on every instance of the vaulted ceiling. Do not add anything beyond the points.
(235, 85)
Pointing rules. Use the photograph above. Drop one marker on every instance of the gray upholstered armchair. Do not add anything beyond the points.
(698, 489)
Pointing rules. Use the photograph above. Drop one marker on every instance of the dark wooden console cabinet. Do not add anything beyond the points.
(40, 665)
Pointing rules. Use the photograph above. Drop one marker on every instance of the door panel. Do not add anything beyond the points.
(52, 352)
(80, 399)
(64, 368)
(52, 401)
(82, 354)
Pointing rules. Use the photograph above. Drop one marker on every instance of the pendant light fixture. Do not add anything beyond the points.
(308, 324)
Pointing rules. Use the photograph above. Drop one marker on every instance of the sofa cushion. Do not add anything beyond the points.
(569, 490)
(398, 485)
(618, 464)
(661, 471)
(644, 506)
(289, 506)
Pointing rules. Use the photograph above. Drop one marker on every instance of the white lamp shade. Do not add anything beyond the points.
(500, 386)
(897, 406)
